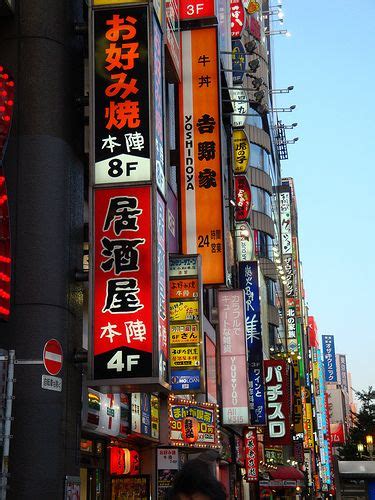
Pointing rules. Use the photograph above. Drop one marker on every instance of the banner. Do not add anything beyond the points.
(201, 183)
(286, 222)
(234, 381)
(297, 398)
(329, 358)
(251, 455)
(249, 282)
(278, 412)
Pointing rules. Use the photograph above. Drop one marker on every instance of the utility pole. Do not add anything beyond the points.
(44, 178)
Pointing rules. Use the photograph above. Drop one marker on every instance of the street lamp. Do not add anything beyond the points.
(360, 448)
(370, 446)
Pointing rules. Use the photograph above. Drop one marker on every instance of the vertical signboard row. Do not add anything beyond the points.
(201, 177)
(129, 316)
(249, 282)
(185, 308)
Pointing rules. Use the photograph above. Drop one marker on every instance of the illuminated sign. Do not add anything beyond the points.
(201, 185)
(243, 197)
(196, 9)
(244, 241)
(240, 103)
(237, 18)
(241, 150)
(286, 222)
(238, 61)
(251, 455)
(329, 358)
(185, 356)
(202, 432)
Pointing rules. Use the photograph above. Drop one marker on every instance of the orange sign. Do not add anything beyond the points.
(201, 194)
(184, 289)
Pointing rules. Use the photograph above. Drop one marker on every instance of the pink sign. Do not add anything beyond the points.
(233, 357)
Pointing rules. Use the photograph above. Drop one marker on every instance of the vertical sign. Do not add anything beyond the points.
(251, 455)
(278, 413)
(343, 372)
(249, 282)
(297, 398)
(185, 329)
(172, 20)
(241, 151)
(201, 182)
(237, 18)
(286, 223)
(122, 302)
(121, 128)
(162, 287)
(234, 381)
(291, 326)
(329, 358)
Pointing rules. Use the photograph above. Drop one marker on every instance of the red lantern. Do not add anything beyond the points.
(134, 463)
(116, 461)
(190, 430)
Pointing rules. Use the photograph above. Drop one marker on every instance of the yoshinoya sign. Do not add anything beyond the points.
(233, 357)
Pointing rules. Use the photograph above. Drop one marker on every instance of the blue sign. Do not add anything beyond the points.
(146, 414)
(329, 358)
(249, 282)
(185, 379)
(238, 61)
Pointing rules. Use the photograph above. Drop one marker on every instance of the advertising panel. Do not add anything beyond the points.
(162, 287)
(291, 326)
(240, 103)
(193, 424)
(122, 298)
(233, 357)
(211, 378)
(329, 358)
(241, 151)
(237, 18)
(196, 9)
(297, 398)
(243, 197)
(244, 241)
(121, 128)
(185, 329)
(286, 223)
(251, 455)
(278, 396)
(201, 183)
(289, 275)
(249, 282)
(158, 112)
(238, 61)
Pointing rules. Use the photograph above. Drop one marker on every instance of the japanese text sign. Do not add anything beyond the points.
(237, 18)
(251, 455)
(286, 223)
(278, 412)
(211, 375)
(203, 417)
(241, 149)
(243, 197)
(201, 182)
(291, 326)
(121, 94)
(249, 282)
(343, 372)
(158, 107)
(297, 398)
(238, 61)
(233, 357)
(196, 9)
(162, 285)
(172, 19)
(329, 358)
(123, 301)
(240, 103)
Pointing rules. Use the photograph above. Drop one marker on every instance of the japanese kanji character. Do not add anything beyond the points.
(252, 332)
(117, 58)
(122, 296)
(121, 86)
(206, 150)
(203, 59)
(110, 143)
(204, 80)
(118, 27)
(207, 178)
(122, 213)
(123, 254)
(135, 330)
(122, 113)
(109, 332)
(134, 140)
(206, 124)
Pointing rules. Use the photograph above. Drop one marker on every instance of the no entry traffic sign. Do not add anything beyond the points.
(53, 356)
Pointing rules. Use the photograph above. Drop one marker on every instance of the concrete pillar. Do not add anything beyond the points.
(45, 188)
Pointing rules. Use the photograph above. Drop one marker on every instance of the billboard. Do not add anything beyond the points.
(286, 222)
(234, 381)
(251, 455)
(249, 282)
(341, 358)
(278, 407)
(201, 176)
(241, 151)
(185, 323)
(329, 358)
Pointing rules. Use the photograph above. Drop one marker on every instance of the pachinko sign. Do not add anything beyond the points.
(249, 282)
(278, 411)
(193, 424)
(123, 289)
(233, 357)
(201, 185)
(122, 95)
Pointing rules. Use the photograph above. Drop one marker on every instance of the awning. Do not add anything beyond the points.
(286, 472)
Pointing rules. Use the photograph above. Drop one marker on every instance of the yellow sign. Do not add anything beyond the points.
(253, 7)
(241, 150)
(297, 399)
(185, 356)
(184, 311)
(184, 334)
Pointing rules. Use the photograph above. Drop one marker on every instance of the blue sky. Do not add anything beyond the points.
(330, 60)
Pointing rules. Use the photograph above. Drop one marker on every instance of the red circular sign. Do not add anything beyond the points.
(53, 356)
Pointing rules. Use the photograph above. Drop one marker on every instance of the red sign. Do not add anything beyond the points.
(123, 461)
(122, 304)
(337, 434)
(243, 197)
(196, 9)
(53, 356)
(237, 18)
(277, 406)
(251, 455)
(254, 28)
(184, 288)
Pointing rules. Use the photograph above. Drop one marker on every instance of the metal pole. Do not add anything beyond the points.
(7, 424)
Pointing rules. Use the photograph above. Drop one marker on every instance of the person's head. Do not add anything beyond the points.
(195, 481)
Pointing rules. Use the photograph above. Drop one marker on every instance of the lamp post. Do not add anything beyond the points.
(360, 449)
(370, 446)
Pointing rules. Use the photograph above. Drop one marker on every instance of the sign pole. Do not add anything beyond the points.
(7, 424)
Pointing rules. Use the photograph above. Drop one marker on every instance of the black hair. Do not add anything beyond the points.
(197, 477)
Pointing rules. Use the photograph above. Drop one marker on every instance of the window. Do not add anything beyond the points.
(261, 201)
(255, 119)
(259, 158)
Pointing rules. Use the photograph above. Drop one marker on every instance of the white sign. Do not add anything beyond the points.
(51, 383)
(286, 223)
(136, 412)
(167, 458)
(240, 105)
(122, 168)
(244, 241)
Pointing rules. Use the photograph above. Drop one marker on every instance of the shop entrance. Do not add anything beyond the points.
(92, 484)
